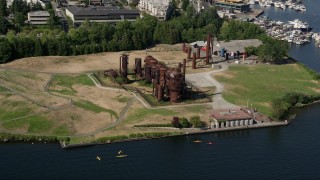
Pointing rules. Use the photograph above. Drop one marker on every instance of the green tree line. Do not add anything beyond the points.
(99, 37)
(93, 37)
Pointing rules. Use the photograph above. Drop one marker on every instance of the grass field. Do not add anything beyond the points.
(68, 81)
(142, 113)
(94, 108)
(260, 84)
(35, 124)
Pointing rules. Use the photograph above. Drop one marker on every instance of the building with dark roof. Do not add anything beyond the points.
(234, 5)
(101, 14)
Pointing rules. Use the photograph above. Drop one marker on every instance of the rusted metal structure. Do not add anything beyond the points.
(123, 65)
(189, 52)
(197, 51)
(168, 83)
(111, 72)
(208, 48)
(137, 67)
(194, 61)
(174, 85)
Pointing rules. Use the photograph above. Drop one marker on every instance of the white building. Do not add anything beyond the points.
(9, 2)
(155, 8)
(100, 14)
(38, 17)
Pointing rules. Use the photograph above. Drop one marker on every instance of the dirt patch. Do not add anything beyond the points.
(87, 63)
(101, 97)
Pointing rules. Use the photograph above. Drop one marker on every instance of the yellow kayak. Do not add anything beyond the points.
(197, 141)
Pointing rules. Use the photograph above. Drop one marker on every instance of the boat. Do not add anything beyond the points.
(303, 26)
(197, 141)
(122, 156)
(277, 4)
(209, 142)
(98, 158)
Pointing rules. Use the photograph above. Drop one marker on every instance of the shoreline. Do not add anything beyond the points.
(184, 133)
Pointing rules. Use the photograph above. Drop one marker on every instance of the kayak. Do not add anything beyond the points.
(122, 156)
(197, 141)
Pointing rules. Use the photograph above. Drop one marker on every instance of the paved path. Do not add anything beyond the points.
(206, 80)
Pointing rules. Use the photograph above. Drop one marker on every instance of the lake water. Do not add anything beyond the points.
(291, 152)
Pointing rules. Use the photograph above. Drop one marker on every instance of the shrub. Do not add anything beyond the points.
(185, 123)
(154, 125)
(175, 122)
(196, 122)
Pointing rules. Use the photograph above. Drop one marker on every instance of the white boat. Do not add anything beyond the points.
(283, 6)
(262, 4)
(277, 4)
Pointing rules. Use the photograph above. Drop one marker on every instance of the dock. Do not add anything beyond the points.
(250, 15)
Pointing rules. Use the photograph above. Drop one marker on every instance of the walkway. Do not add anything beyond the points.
(206, 80)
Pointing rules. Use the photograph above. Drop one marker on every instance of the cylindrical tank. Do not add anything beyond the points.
(138, 69)
(189, 52)
(147, 73)
(162, 79)
(124, 65)
(198, 52)
(160, 93)
(173, 79)
(194, 61)
(179, 67)
(184, 66)
(208, 48)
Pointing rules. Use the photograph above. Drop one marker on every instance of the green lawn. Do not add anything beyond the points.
(62, 130)
(260, 84)
(37, 124)
(2, 89)
(92, 107)
(69, 81)
(7, 114)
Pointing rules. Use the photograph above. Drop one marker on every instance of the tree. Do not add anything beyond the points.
(37, 6)
(3, 25)
(184, 122)
(3, 8)
(172, 10)
(196, 122)
(48, 6)
(37, 48)
(19, 20)
(53, 20)
(20, 6)
(175, 122)
(5, 50)
(185, 4)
